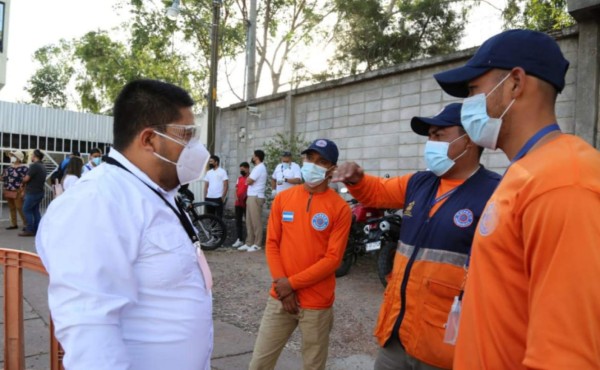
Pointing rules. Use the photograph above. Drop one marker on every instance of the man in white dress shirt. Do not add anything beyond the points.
(286, 174)
(132, 292)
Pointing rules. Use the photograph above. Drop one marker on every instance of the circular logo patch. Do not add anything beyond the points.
(320, 221)
(489, 220)
(463, 218)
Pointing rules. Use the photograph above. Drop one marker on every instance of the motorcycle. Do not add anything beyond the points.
(373, 230)
(211, 229)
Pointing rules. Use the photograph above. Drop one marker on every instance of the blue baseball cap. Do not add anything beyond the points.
(449, 116)
(536, 52)
(326, 148)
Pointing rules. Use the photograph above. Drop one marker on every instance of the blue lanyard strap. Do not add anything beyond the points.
(534, 139)
(443, 196)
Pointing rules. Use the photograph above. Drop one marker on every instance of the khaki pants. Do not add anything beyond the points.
(393, 357)
(14, 206)
(254, 227)
(277, 326)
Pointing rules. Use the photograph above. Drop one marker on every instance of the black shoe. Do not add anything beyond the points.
(12, 227)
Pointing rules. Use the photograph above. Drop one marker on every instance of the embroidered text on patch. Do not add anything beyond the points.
(320, 221)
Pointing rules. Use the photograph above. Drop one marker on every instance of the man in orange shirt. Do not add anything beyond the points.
(306, 237)
(532, 298)
(441, 209)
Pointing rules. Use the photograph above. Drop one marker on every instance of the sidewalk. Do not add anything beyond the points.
(232, 346)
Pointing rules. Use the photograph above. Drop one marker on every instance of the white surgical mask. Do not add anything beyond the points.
(480, 127)
(436, 156)
(191, 162)
(312, 174)
(13, 160)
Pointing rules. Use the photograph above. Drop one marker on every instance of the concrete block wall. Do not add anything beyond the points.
(369, 115)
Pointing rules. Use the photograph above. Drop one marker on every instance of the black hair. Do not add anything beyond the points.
(96, 151)
(146, 103)
(38, 153)
(260, 154)
(76, 153)
(216, 159)
(245, 165)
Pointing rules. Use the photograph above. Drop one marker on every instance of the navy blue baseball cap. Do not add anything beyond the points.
(326, 148)
(449, 116)
(536, 52)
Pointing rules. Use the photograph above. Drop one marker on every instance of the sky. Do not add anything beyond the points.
(35, 23)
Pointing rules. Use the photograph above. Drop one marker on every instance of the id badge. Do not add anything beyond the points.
(453, 322)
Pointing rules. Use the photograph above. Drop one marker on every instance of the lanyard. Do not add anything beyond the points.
(534, 139)
(185, 221)
(444, 196)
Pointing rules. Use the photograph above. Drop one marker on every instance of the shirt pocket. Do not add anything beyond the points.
(167, 259)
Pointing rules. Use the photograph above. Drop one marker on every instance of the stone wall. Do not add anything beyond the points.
(368, 115)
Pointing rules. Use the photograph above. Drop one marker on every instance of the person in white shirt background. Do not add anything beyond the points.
(133, 292)
(95, 160)
(217, 185)
(285, 175)
(257, 184)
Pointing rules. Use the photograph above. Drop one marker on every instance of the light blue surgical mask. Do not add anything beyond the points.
(97, 161)
(480, 127)
(436, 156)
(312, 174)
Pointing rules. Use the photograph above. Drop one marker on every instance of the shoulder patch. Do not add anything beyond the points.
(320, 221)
(489, 220)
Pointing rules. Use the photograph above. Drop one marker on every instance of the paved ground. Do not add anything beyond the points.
(232, 348)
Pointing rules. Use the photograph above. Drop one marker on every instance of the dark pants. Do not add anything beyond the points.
(239, 222)
(218, 210)
(31, 210)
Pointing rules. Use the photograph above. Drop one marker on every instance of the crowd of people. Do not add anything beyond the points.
(490, 272)
(24, 185)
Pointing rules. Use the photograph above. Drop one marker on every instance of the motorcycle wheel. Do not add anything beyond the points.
(347, 260)
(385, 261)
(211, 231)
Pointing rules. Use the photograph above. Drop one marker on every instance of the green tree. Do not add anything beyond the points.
(48, 85)
(373, 34)
(540, 15)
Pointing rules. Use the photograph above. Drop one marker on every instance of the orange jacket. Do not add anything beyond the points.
(532, 298)
(306, 238)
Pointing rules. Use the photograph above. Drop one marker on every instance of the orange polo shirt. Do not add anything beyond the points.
(306, 239)
(532, 298)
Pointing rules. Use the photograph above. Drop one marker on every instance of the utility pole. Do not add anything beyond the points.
(214, 61)
(251, 50)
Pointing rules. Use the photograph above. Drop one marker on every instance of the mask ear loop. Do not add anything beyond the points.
(499, 83)
(464, 151)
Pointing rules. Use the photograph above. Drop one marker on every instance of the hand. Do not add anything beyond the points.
(348, 172)
(282, 287)
(290, 304)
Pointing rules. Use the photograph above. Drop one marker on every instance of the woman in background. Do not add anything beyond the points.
(72, 172)
(13, 193)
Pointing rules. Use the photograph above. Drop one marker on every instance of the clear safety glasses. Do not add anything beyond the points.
(182, 133)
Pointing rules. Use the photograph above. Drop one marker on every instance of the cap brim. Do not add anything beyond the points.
(455, 82)
(321, 153)
(420, 125)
